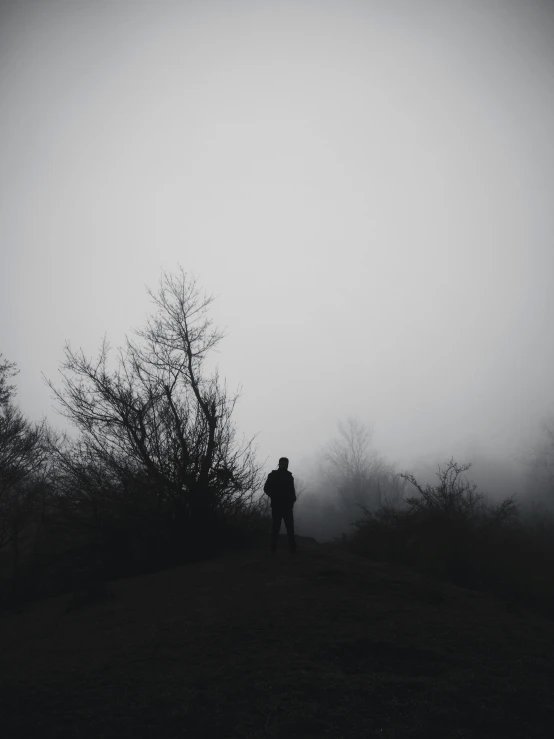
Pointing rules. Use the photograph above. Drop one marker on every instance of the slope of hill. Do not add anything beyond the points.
(324, 644)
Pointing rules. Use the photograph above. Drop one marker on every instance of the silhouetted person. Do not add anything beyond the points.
(280, 489)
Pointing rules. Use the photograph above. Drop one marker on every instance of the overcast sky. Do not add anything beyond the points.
(367, 188)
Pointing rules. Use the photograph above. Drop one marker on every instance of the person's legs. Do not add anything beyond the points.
(276, 515)
(289, 524)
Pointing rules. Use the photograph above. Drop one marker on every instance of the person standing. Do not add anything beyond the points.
(279, 487)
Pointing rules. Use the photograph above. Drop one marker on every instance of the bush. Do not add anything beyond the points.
(125, 545)
(448, 531)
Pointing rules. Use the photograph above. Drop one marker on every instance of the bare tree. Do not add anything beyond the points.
(7, 370)
(20, 441)
(362, 477)
(541, 466)
(454, 494)
(23, 456)
(350, 454)
(157, 414)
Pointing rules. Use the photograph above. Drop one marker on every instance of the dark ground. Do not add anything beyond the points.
(324, 644)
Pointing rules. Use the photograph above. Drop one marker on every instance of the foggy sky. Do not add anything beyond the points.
(366, 187)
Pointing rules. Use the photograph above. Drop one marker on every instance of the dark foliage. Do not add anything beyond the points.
(155, 476)
(449, 531)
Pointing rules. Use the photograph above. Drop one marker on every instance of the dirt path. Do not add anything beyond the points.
(321, 644)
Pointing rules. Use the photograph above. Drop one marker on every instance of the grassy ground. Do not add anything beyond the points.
(324, 644)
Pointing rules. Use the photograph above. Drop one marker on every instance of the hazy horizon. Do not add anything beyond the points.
(364, 187)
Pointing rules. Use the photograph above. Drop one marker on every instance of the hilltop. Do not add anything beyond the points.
(324, 644)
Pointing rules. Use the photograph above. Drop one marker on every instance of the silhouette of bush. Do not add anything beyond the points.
(450, 532)
(124, 545)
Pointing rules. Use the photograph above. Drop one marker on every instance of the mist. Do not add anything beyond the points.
(366, 189)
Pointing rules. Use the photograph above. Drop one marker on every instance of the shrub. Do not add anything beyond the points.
(449, 531)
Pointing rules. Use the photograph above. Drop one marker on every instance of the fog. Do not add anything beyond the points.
(366, 188)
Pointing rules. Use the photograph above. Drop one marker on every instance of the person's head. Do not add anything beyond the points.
(283, 463)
